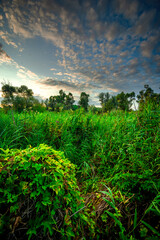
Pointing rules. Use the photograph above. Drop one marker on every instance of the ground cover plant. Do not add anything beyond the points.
(116, 158)
(39, 194)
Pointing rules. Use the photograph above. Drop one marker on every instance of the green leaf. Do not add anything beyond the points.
(84, 217)
(110, 203)
(37, 166)
(34, 194)
(47, 225)
(113, 216)
(30, 232)
(156, 208)
(109, 193)
(70, 233)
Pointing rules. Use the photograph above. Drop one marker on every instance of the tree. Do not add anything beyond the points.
(23, 91)
(60, 102)
(84, 99)
(104, 98)
(125, 100)
(62, 96)
(17, 97)
(147, 96)
(46, 102)
(19, 104)
(26, 94)
(8, 92)
(69, 100)
(52, 102)
(101, 98)
(108, 103)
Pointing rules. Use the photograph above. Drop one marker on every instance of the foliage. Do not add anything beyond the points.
(117, 209)
(122, 101)
(18, 98)
(125, 100)
(119, 149)
(93, 109)
(84, 99)
(60, 102)
(37, 106)
(39, 194)
(148, 97)
(104, 97)
(108, 103)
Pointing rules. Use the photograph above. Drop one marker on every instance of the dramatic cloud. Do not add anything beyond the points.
(84, 45)
(68, 85)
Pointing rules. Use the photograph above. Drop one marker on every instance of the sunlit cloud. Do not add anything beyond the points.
(4, 58)
(59, 73)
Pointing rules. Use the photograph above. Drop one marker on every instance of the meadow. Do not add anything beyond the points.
(114, 160)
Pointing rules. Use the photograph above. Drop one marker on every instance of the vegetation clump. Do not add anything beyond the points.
(39, 193)
(113, 157)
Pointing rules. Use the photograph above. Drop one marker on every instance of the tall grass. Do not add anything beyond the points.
(119, 149)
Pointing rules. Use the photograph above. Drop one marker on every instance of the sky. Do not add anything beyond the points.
(80, 45)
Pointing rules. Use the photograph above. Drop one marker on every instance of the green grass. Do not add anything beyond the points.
(118, 149)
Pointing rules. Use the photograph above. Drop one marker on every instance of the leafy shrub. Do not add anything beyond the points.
(39, 194)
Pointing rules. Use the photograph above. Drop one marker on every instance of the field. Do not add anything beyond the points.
(115, 161)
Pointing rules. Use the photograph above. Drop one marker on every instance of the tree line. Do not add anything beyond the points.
(21, 98)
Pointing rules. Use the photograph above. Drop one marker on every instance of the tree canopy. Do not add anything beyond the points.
(147, 96)
(125, 100)
(19, 98)
(84, 100)
(122, 101)
(60, 102)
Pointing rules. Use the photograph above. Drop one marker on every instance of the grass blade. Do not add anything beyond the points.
(135, 218)
(151, 228)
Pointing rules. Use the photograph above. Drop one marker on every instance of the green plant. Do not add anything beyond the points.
(39, 194)
(142, 226)
(116, 215)
(119, 148)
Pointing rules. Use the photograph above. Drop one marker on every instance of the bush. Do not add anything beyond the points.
(39, 194)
